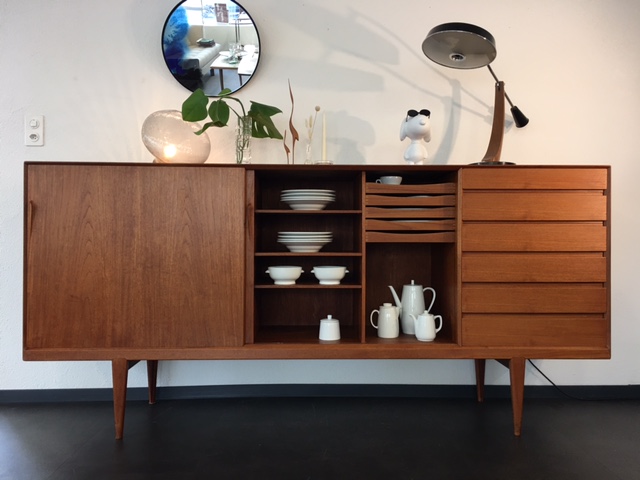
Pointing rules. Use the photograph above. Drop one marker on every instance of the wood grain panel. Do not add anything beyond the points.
(436, 237)
(534, 237)
(582, 178)
(534, 206)
(535, 331)
(435, 212)
(534, 298)
(419, 189)
(371, 224)
(410, 201)
(137, 257)
(534, 267)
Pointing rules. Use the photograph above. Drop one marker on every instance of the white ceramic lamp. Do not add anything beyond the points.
(172, 140)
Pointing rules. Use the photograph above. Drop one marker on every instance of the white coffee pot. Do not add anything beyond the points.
(412, 304)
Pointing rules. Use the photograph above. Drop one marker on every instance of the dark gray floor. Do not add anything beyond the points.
(322, 438)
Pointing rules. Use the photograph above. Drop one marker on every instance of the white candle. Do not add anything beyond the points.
(324, 137)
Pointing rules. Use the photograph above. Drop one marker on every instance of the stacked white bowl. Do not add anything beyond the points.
(304, 242)
(308, 198)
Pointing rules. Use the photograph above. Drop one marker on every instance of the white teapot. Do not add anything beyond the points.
(425, 326)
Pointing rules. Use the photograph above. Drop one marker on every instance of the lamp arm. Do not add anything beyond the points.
(497, 130)
(496, 79)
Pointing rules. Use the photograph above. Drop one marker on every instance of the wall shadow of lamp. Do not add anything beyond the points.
(172, 140)
(466, 46)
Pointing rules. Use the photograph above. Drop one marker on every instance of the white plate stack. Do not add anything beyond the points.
(308, 198)
(304, 242)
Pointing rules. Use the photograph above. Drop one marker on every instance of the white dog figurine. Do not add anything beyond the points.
(416, 126)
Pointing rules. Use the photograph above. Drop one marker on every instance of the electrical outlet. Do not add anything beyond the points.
(34, 130)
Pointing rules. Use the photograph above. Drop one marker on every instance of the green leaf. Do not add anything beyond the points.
(204, 128)
(262, 125)
(219, 113)
(263, 109)
(194, 108)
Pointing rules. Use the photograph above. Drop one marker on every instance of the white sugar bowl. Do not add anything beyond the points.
(329, 329)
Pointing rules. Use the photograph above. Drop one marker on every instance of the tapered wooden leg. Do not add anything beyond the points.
(516, 371)
(480, 369)
(152, 379)
(120, 370)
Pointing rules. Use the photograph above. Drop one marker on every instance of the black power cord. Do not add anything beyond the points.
(573, 397)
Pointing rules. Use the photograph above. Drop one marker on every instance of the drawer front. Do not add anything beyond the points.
(534, 206)
(540, 178)
(534, 298)
(535, 331)
(534, 267)
(534, 237)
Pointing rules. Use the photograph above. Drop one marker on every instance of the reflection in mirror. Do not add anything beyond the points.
(211, 45)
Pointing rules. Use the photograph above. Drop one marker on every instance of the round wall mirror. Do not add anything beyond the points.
(211, 45)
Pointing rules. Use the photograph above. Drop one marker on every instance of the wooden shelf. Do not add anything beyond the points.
(308, 212)
(307, 335)
(300, 286)
(312, 254)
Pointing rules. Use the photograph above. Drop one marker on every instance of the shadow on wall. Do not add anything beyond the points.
(365, 38)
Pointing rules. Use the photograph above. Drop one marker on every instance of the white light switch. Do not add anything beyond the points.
(34, 130)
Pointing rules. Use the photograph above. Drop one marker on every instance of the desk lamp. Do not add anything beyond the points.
(466, 46)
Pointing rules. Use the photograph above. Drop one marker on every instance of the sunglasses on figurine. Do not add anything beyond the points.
(413, 113)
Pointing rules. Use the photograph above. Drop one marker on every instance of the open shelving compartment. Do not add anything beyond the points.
(410, 233)
(292, 313)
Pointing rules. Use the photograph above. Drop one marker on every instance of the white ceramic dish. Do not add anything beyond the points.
(302, 234)
(284, 275)
(329, 274)
(305, 247)
(309, 206)
(310, 191)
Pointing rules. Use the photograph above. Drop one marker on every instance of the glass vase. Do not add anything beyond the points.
(243, 140)
(308, 157)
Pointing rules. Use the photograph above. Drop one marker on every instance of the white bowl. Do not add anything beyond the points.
(304, 245)
(318, 204)
(329, 275)
(284, 275)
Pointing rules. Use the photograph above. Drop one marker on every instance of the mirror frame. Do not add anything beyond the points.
(175, 50)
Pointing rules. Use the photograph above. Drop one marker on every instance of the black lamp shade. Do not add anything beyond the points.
(460, 45)
(518, 117)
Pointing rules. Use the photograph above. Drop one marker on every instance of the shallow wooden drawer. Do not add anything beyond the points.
(406, 237)
(410, 213)
(423, 189)
(534, 237)
(535, 331)
(534, 298)
(410, 225)
(534, 206)
(543, 178)
(534, 267)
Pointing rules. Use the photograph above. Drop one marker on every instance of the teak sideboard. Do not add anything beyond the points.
(128, 262)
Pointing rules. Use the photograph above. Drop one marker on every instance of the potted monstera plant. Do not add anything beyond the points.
(256, 122)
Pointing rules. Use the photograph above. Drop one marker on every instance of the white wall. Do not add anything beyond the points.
(95, 70)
